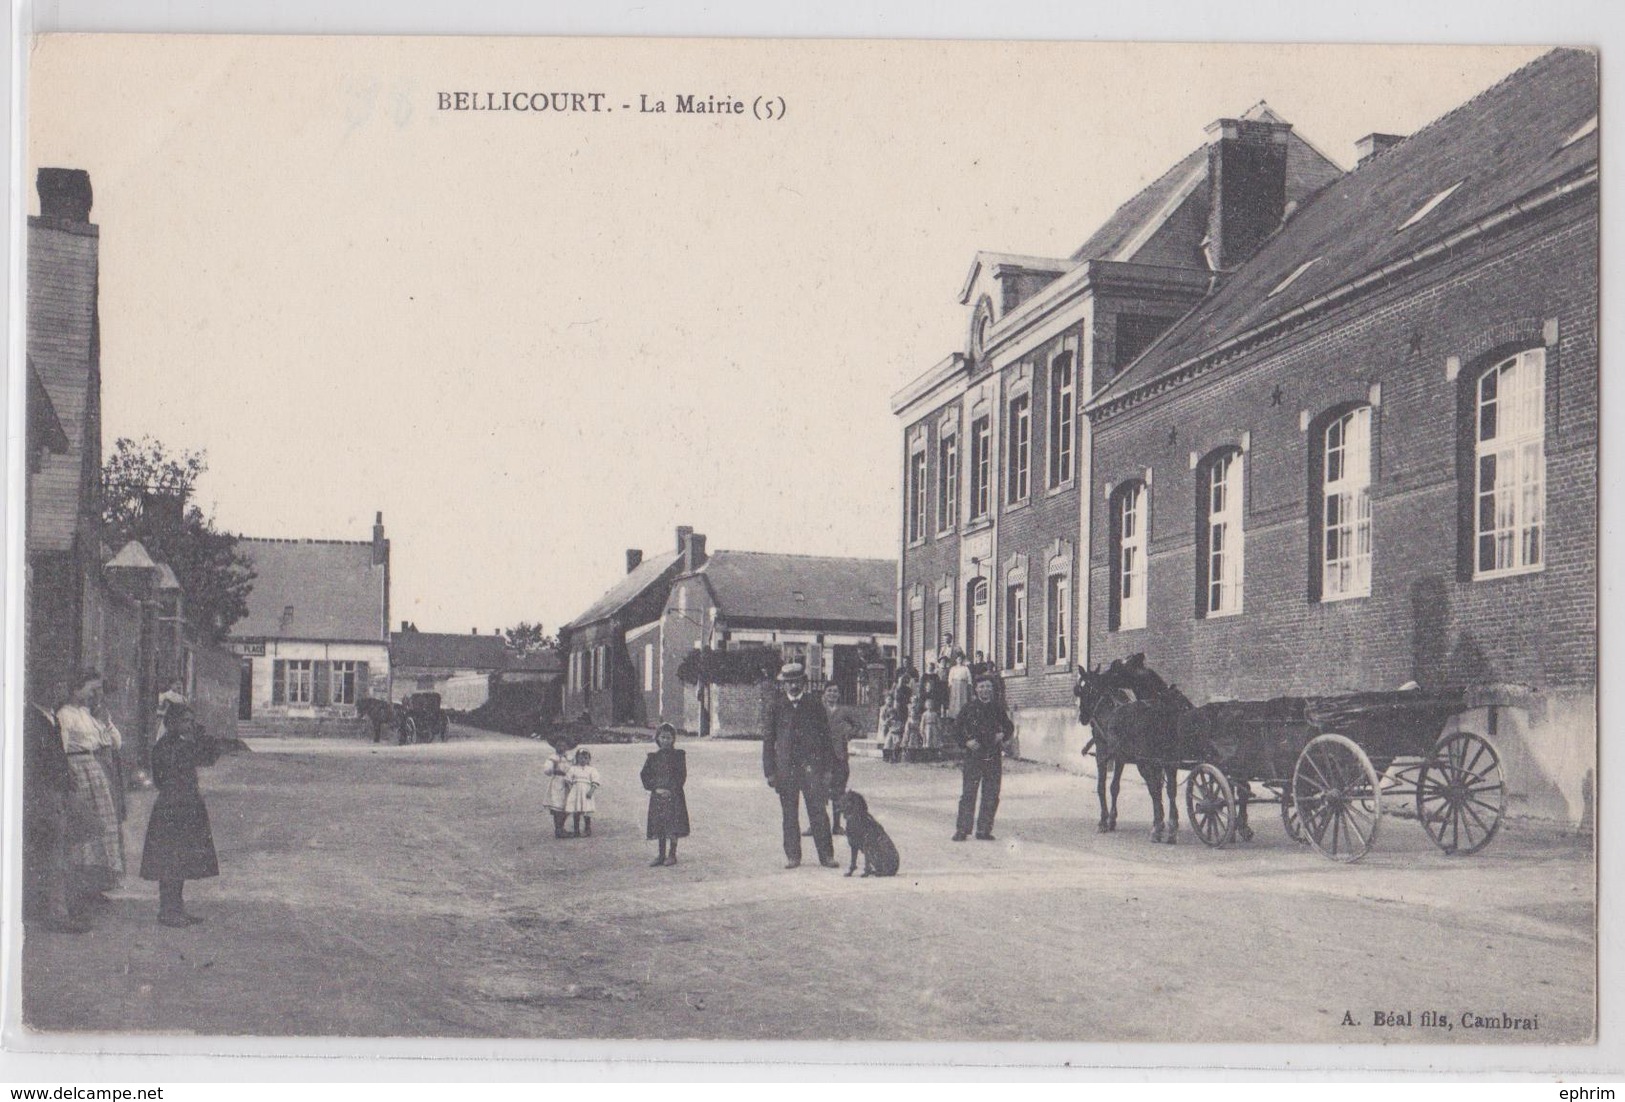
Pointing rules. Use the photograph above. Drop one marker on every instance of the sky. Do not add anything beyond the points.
(533, 340)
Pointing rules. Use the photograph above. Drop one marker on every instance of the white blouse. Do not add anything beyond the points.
(82, 731)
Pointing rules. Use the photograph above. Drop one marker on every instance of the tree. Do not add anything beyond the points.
(147, 495)
(528, 638)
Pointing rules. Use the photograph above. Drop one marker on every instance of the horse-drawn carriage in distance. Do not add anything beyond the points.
(1330, 763)
(418, 718)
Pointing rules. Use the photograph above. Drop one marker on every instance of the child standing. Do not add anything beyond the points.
(557, 771)
(583, 781)
(931, 731)
(179, 845)
(664, 773)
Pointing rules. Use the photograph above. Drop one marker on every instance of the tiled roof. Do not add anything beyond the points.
(449, 650)
(313, 589)
(1498, 148)
(759, 588)
(627, 590)
(1307, 169)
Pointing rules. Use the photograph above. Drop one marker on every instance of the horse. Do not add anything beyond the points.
(1134, 715)
(378, 712)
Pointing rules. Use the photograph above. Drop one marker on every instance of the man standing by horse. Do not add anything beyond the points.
(798, 757)
(986, 730)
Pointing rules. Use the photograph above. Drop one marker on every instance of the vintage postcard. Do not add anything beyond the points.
(728, 540)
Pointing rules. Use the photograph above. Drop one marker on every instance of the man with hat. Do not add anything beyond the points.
(986, 729)
(798, 757)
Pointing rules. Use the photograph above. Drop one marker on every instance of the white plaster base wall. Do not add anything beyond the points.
(1052, 736)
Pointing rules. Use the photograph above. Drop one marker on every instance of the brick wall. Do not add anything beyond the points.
(1422, 621)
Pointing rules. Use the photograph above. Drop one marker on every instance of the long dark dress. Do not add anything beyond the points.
(668, 815)
(179, 844)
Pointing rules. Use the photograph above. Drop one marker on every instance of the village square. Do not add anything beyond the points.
(1233, 674)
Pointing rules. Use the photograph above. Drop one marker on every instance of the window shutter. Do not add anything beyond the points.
(363, 681)
(322, 676)
(815, 662)
(279, 682)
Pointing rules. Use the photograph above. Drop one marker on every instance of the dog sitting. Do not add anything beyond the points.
(867, 837)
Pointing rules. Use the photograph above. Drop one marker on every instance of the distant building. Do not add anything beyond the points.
(600, 679)
(819, 611)
(458, 667)
(316, 637)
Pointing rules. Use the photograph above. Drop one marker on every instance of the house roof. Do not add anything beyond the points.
(449, 650)
(543, 660)
(45, 431)
(1181, 194)
(313, 589)
(628, 589)
(1498, 148)
(759, 588)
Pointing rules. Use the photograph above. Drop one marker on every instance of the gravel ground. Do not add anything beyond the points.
(418, 891)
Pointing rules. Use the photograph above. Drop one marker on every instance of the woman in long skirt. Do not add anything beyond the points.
(179, 846)
(91, 742)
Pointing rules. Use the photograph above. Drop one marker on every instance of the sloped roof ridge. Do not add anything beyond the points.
(1172, 169)
(1472, 101)
(795, 555)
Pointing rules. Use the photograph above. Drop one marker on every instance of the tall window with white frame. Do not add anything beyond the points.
(947, 481)
(300, 681)
(981, 467)
(1061, 418)
(1222, 558)
(1059, 601)
(1015, 626)
(1345, 520)
(343, 682)
(1020, 450)
(1510, 469)
(916, 496)
(1130, 560)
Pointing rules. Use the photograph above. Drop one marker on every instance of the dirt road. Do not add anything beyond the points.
(418, 891)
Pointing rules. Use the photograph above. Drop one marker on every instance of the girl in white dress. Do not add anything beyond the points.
(557, 771)
(583, 779)
(91, 741)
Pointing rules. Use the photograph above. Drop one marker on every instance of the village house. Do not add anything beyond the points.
(1370, 456)
(316, 637)
(600, 680)
(825, 613)
(458, 667)
(87, 606)
(994, 447)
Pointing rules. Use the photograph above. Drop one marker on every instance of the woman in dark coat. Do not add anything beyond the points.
(664, 773)
(179, 846)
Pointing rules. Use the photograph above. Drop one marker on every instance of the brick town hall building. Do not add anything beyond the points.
(1290, 430)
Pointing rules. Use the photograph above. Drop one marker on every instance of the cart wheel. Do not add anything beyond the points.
(1338, 797)
(409, 730)
(1461, 794)
(1290, 820)
(1211, 804)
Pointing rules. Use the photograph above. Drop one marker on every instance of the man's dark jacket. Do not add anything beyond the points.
(989, 724)
(797, 734)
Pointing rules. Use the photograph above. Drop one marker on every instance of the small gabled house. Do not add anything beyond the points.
(600, 680)
(316, 637)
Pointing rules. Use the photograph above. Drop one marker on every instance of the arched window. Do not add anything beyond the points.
(1220, 539)
(1509, 491)
(1130, 516)
(1342, 533)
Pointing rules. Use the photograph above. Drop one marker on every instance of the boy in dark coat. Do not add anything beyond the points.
(664, 773)
(986, 729)
(179, 845)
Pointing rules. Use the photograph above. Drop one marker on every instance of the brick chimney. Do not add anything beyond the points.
(1374, 145)
(634, 559)
(1246, 171)
(64, 194)
(693, 551)
(380, 546)
(682, 537)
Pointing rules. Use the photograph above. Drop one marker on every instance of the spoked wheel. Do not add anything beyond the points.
(1291, 821)
(409, 731)
(1461, 794)
(1210, 802)
(1338, 797)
